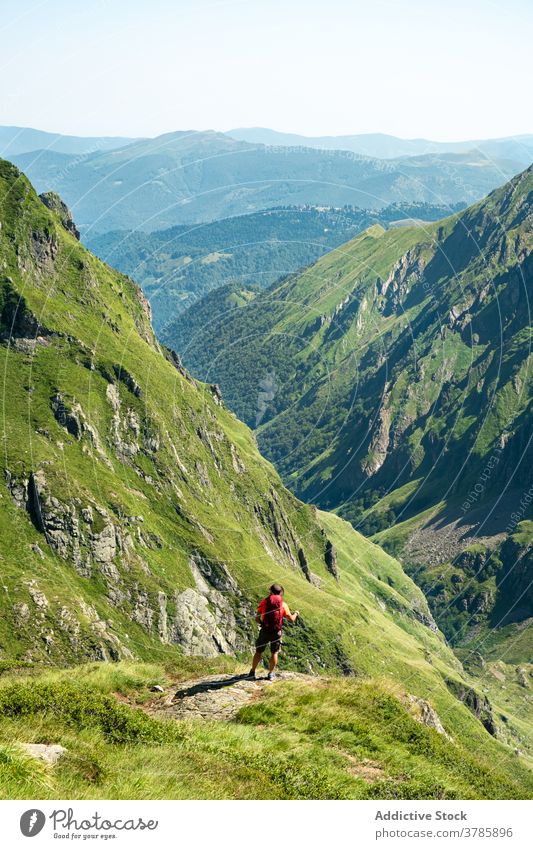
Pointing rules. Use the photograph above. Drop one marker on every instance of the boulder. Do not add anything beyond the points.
(50, 754)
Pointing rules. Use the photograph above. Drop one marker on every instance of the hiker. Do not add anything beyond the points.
(271, 612)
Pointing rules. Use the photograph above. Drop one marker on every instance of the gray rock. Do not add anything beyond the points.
(67, 417)
(195, 627)
(50, 754)
(162, 625)
(330, 558)
(104, 544)
(127, 380)
(205, 621)
(478, 705)
(423, 712)
(142, 611)
(37, 596)
(53, 201)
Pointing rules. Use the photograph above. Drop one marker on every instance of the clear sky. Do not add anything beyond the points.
(443, 70)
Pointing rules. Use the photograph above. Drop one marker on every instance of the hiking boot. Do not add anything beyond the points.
(271, 676)
(251, 674)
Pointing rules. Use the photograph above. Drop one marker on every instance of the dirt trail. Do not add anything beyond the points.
(217, 697)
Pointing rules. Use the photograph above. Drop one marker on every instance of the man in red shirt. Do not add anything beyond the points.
(271, 613)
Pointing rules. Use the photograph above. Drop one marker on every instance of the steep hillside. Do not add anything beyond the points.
(176, 267)
(188, 177)
(138, 520)
(378, 361)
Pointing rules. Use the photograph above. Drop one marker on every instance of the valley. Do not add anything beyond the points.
(377, 360)
(140, 526)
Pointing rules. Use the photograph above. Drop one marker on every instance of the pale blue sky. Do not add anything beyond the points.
(443, 70)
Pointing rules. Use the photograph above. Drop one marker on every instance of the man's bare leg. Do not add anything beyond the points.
(273, 661)
(256, 660)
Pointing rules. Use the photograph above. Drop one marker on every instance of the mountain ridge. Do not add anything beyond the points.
(16, 140)
(385, 146)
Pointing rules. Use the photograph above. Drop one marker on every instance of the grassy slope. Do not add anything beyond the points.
(335, 739)
(94, 319)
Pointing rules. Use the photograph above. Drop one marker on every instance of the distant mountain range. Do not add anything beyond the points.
(15, 140)
(189, 177)
(518, 148)
(176, 267)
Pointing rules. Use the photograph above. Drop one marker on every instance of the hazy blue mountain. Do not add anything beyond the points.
(383, 146)
(187, 177)
(15, 140)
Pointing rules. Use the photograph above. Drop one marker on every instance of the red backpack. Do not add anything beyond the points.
(273, 615)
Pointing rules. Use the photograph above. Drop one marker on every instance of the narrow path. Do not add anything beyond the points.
(217, 697)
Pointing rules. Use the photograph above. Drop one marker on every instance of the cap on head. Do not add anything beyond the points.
(277, 589)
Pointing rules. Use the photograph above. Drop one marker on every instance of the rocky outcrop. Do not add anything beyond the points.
(304, 566)
(123, 375)
(478, 705)
(70, 415)
(423, 712)
(272, 518)
(44, 246)
(330, 558)
(379, 443)
(83, 535)
(215, 697)
(174, 358)
(106, 645)
(66, 417)
(405, 272)
(514, 597)
(63, 632)
(216, 393)
(18, 325)
(54, 202)
(212, 618)
(129, 433)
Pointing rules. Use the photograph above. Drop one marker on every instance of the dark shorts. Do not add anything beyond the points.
(265, 637)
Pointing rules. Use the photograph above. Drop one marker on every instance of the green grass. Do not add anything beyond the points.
(323, 739)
